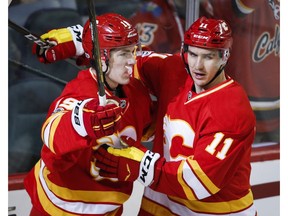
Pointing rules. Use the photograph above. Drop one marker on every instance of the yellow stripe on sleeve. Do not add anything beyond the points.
(202, 176)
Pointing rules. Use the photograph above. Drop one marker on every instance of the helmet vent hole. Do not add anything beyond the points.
(118, 39)
(109, 38)
(217, 41)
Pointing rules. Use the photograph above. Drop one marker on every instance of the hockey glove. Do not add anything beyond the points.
(127, 164)
(88, 118)
(65, 43)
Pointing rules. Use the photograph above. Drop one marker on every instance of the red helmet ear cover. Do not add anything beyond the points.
(209, 33)
(114, 31)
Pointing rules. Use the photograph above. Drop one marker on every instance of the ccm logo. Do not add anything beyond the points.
(146, 165)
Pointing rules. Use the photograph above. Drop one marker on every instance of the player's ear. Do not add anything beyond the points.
(104, 65)
(225, 54)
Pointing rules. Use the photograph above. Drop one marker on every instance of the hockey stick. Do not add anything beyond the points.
(36, 71)
(30, 36)
(36, 39)
(96, 62)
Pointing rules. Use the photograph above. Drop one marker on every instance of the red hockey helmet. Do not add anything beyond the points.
(209, 33)
(114, 31)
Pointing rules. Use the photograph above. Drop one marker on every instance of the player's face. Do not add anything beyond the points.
(203, 65)
(121, 65)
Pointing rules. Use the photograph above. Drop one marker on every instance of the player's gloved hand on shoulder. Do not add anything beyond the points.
(65, 43)
(90, 119)
(128, 164)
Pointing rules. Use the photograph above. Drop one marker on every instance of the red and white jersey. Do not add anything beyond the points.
(65, 180)
(159, 27)
(207, 143)
(255, 58)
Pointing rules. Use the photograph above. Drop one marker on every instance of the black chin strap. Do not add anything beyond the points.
(221, 68)
(104, 72)
(107, 85)
(117, 92)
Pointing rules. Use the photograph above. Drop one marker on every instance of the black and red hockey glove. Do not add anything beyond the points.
(89, 118)
(65, 43)
(127, 164)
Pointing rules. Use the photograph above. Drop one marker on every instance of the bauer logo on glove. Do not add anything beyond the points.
(90, 119)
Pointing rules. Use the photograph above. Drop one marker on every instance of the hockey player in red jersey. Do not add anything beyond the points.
(208, 128)
(65, 181)
(160, 25)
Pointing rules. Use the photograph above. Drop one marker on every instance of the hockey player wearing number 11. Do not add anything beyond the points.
(208, 132)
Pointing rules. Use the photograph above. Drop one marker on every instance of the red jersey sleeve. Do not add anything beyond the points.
(164, 75)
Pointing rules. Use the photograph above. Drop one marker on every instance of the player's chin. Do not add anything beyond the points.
(125, 80)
